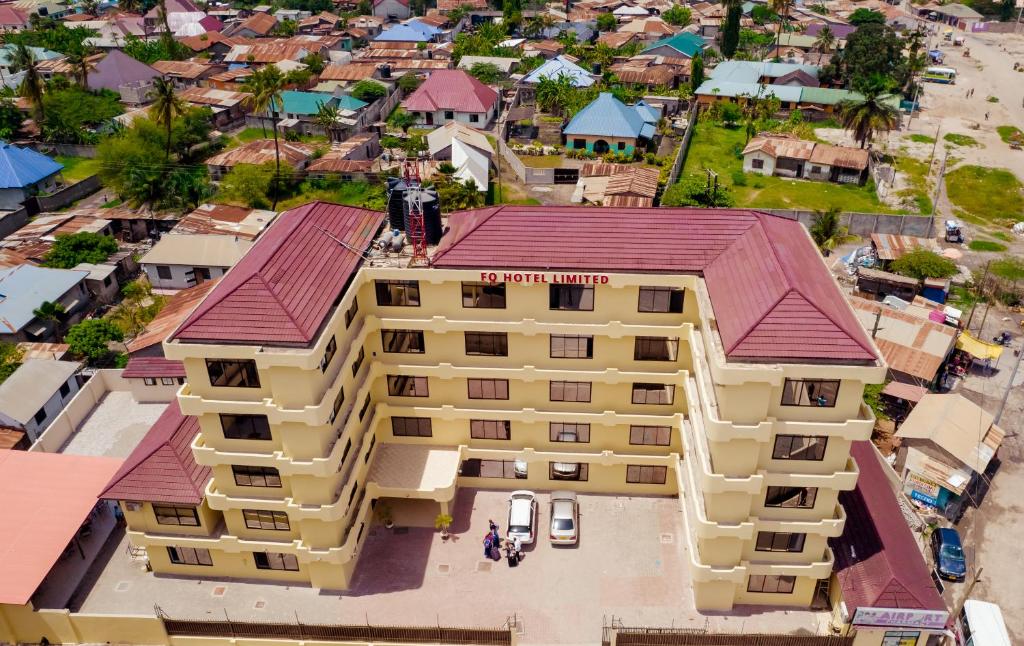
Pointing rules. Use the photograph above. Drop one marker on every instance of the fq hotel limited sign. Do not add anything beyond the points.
(530, 278)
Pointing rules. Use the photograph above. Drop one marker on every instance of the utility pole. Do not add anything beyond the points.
(981, 287)
(1009, 385)
(878, 317)
(938, 191)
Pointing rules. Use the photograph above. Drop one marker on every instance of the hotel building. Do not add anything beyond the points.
(703, 354)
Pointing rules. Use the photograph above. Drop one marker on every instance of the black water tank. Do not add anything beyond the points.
(396, 203)
(431, 216)
(385, 71)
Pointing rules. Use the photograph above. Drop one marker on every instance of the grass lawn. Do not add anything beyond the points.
(986, 245)
(509, 195)
(960, 140)
(989, 195)
(1010, 134)
(541, 161)
(717, 147)
(351, 193)
(1000, 235)
(922, 139)
(77, 168)
(915, 172)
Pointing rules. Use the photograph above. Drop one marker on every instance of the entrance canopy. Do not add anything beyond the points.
(977, 348)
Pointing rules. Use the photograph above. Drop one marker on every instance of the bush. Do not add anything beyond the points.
(922, 263)
(368, 91)
(731, 114)
(739, 178)
(692, 190)
(89, 339)
(70, 250)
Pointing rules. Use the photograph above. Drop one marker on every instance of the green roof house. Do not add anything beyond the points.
(301, 109)
(684, 45)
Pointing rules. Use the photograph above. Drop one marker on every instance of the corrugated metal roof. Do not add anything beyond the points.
(685, 43)
(261, 151)
(608, 117)
(773, 297)
(162, 467)
(21, 167)
(283, 290)
(182, 69)
(199, 250)
(30, 386)
(451, 90)
(25, 287)
(348, 71)
(889, 246)
(558, 67)
(174, 311)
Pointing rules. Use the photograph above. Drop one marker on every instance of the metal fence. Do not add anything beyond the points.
(340, 633)
(625, 636)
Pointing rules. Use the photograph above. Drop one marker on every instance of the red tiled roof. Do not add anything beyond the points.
(878, 563)
(139, 367)
(161, 468)
(281, 291)
(451, 90)
(773, 297)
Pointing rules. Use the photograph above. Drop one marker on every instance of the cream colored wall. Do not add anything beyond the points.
(144, 520)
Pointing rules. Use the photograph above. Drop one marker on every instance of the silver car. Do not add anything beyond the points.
(564, 518)
(522, 516)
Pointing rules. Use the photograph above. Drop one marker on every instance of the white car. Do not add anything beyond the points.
(522, 516)
(564, 518)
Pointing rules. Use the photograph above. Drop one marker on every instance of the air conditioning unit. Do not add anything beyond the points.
(133, 506)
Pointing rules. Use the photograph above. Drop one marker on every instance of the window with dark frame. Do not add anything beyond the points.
(650, 435)
(483, 295)
(402, 341)
(571, 297)
(276, 561)
(645, 474)
(791, 497)
(570, 391)
(167, 381)
(407, 386)
(245, 427)
(369, 449)
(780, 542)
(329, 352)
(40, 416)
(665, 300)
(189, 556)
(567, 432)
(574, 471)
(149, 381)
(233, 373)
(771, 583)
(65, 389)
(358, 362)
(820, 393)
(339, 401)
(262, 519)
(397, 293)
(350, 313)
(175, 515)
(505, 469)
(487, 388)
(365, 407)
(800, 447)
(490, 429)
(489, 344)
(649, 393)
(411, 427)
(656, 348)
(163, 272)
(572, 346)
(247, 476)
(757, 163)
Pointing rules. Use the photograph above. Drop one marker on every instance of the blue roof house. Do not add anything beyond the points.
(609, 125)
(560, 66)
(24, 173)
(23, 288)
(410, 32)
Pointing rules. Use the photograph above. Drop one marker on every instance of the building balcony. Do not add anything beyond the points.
(818, 569)
(845, 480)
(526, 326)
(830, 527)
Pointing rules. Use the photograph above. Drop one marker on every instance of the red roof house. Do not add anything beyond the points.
(452, 95)
(162, 468)
(153, 368)
(12, 19)
(772, 295)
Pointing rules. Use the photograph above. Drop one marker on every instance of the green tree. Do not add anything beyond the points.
(871, 114)
(32, 84)
(763, 14)
(90, 340)
(696, 72)
(864, 16)
(49, 313)
(677, 15)
(923, 263)
(731, 27)
(286, 28)
(696, 190)
(871, 50)
(79, 61)
(458, 196)
(607, 22)
(402, 119)
(825, 42)
(166, 106)
(731, 114)
(50, 34)
(247, 185)
(408, 83)
(74, 115)
(11, 119)
(72, 249)
(265, 86)
(139, 305)
(10, 358)
(151, 51)
(828, 232)
(781, 8)
(327, 116)
(368, 91)
(314, 63)
(486, 72)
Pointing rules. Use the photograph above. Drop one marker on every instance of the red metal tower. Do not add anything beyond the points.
(417, 229)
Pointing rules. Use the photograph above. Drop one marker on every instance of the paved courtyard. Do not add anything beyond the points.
(630, 564)
(114, 427)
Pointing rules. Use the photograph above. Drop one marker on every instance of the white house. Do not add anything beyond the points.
(452, 95)
(392, 9)
(185, 260)
(32, 397)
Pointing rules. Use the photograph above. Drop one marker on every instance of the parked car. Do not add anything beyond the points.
(522, 516)
(564, 518)
(949, 554)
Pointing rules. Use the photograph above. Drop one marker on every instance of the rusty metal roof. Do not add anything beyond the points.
(889, 246)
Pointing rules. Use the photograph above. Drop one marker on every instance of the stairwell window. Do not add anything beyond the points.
(780, 542)
(800, 447)
(484, 295)
(771, 583)
(397, 292)
(572, 297)
(810, 392)
(668, 300)
(656, 348)
(276, 561)
(407, 386)
(233, 373)
(791, 497)
(402, 341)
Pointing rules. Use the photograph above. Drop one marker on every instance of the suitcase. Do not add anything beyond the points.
(495, 553)
(513, 559)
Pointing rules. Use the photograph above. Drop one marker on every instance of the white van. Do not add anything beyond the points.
(522, 516)
(981, 624)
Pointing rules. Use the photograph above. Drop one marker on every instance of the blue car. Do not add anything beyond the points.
(949, 554)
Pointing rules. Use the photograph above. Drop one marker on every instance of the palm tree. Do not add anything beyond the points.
(826, 40)
(32, 85)
(264, 87)
(49, 312)
(327, 116)
(872, 113)
(166, 106)
(781, 8)
(828, 232)
(129, 6)
(78, 59)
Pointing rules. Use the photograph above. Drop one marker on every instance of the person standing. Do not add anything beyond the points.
(487, 546)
